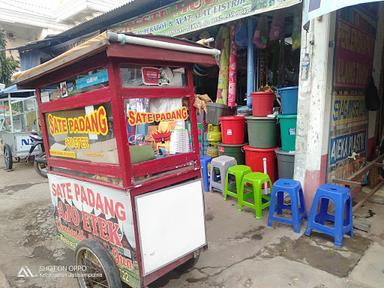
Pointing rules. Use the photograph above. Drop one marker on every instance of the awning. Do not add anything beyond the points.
(16, 92)
(185, 16)
(317, 8)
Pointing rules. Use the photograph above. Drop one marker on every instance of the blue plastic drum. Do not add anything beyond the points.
(288, 97)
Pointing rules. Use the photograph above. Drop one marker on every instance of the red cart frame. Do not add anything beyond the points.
(139, 178)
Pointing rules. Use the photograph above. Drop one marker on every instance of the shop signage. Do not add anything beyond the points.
(190, 15)
(85, 210)
(136, 118)
(355, 45)
(348, 109)
(343, 146)
(93, 123)
(317, 8)
(355, 41)
(82, 134)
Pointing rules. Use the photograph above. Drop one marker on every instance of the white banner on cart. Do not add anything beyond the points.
(85, 210)
(317, 8)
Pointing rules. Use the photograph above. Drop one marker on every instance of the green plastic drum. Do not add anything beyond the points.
(288, 132)
(235, 150)
(261, 132)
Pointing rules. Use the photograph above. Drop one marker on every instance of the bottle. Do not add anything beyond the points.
(305, 67)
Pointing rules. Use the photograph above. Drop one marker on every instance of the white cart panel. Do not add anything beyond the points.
(171, 224)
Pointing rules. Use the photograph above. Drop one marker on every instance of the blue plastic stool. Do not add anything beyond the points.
(205, 160)
(342, 218)
(297, 206)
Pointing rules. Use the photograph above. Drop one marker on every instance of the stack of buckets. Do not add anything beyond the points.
(232, 137)
(287, 119)
(262, 136)
(214, 113)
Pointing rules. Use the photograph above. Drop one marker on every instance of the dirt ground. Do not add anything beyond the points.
(243, 251)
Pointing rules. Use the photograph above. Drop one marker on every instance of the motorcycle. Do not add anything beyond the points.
(40, 160)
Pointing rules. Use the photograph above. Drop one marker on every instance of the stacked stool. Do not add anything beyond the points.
(297, 206)
(204, 161)
(236, 173)
(256, 180)
(342, 218)
(221, 164)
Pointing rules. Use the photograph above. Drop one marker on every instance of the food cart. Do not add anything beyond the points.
(18, 118)
(120, 133)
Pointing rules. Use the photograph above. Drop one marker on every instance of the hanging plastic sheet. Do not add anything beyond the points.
(222, 86)
(232, 69)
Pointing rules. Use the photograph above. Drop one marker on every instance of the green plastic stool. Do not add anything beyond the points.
(257, 180)
(239, 171)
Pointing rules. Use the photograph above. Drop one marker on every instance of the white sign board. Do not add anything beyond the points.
(171, 224)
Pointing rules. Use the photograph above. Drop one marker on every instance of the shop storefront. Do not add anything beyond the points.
(339, 111)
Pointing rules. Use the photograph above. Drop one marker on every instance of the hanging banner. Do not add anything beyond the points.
(317, 8)
(190, 15)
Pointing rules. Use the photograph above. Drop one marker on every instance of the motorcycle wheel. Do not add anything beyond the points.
(41, 169)
(8, 160)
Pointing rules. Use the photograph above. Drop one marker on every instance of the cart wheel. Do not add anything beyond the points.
(8, 161)
(41, 169)
(17, 159)
(189, 264)
(91, 254)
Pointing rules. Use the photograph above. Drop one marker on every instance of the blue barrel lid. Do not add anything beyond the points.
(288, 88)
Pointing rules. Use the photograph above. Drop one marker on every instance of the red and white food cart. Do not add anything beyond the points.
(120, 133)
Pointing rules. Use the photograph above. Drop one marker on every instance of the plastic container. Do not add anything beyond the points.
(254, 159)
(232, 129)
(214, 134)
(288, 132)
(288, 97)
(213, 151)
(235, 151)
(262, 103)
(285, 163)
(215, 111)
(261, 132)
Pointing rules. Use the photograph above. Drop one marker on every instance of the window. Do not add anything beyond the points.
(158, 127)
(23, 115)
(84, 134)
(135, 76)
(84, 82)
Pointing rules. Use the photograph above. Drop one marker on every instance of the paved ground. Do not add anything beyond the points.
(242, 252)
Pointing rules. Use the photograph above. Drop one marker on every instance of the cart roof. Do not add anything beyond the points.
(111, 43)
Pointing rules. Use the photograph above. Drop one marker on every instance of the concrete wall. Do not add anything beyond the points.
(315, 86)
(315, 100)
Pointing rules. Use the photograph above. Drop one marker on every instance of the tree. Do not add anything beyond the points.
(8, 65)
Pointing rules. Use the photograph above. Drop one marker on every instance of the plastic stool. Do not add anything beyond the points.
(297, 206)
(205, 160)
(342, 218)
(257, 180)
(221, 163)
(238, 171)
